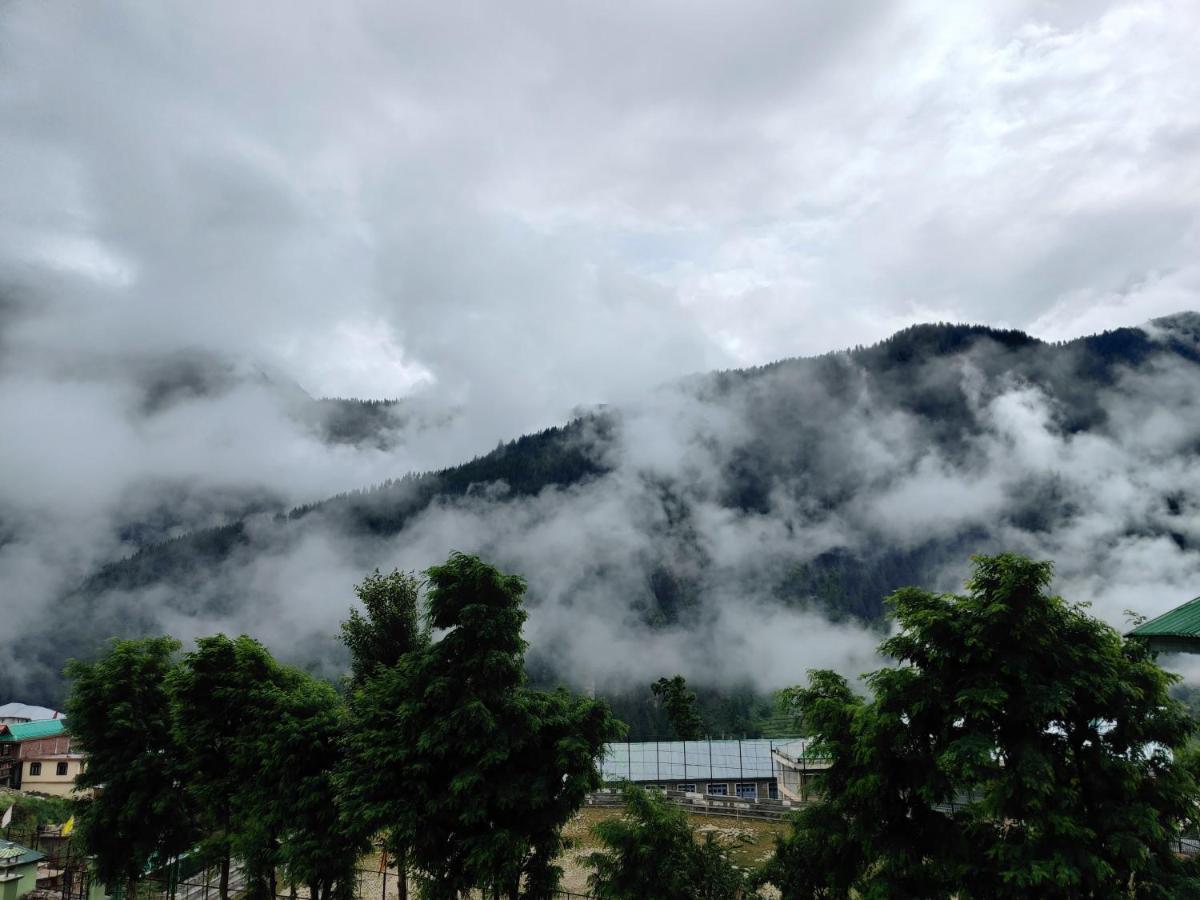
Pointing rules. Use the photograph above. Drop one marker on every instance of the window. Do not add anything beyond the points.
(719, 790)
(35, 768)
(747, 791)
(773, 791)
(62, 768)
(687, 788)
(6, 749)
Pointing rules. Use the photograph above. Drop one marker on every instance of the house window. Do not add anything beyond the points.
(687, 788)
(6, 749)
(773, 791)
(62, 768)
(719, 790)
(35, 768)
(748, 791)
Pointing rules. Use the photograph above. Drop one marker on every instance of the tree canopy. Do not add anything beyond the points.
(652, 851)
(466, 767)
(680, 704)
(120, 716)
(1020, 747)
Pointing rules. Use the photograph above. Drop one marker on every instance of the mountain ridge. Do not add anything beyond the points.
(809, 456)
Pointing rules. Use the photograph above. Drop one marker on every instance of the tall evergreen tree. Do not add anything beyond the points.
(378, 640)
(222, 694)
(467, 767)
(1021, 748)
(119, 714)
(680, 704)
(291, 758)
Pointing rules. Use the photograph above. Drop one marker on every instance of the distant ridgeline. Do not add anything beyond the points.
(792, 440)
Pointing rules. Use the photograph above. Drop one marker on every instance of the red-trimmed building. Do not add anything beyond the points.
(38, 757)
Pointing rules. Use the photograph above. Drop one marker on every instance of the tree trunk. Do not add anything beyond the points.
(402, 872)
(223, 888)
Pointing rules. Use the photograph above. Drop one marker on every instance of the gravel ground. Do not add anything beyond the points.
(751, 841)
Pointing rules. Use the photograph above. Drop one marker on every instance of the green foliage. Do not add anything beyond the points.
(1021, 748)
(457, 760)
(391, 626)
(258, 744)
(290, 761)
(680, 704)
(30, 811)
(652, 852)
(120, 715)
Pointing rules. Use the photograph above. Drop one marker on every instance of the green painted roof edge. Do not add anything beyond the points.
(1182, 621)
(25, 731)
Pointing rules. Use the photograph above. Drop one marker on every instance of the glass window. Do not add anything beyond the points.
(748, 791)
(719, 790)
(35, 768)
(687, 788)
(62, 768)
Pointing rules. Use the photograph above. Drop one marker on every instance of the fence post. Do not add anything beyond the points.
(657, 765)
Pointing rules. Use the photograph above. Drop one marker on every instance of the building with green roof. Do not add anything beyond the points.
(28, 731)
(1175, 631)
(29, 744)
(18, 870)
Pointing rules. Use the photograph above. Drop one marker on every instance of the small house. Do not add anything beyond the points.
(18, 870)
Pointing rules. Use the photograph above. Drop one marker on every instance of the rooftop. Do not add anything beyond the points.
(25, 731)
(27, 712)
(693, 760)
(1182, 621)
(13, 854)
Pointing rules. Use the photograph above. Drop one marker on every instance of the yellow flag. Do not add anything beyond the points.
(68, 826)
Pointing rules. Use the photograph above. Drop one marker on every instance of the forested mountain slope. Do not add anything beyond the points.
(740, 526)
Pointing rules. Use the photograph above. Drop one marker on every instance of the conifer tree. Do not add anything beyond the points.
(465, 766)
(680, 704)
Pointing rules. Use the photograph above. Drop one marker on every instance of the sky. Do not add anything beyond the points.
(503, 213)
(542, 204)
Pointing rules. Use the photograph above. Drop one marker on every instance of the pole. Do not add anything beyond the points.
(657, 765)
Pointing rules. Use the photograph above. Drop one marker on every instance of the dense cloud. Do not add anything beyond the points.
(211, 213)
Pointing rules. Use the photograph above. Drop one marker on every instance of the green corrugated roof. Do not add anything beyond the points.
(1182, 621)
(13, 854)
(25, 731)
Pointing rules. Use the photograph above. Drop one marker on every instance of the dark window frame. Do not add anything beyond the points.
(723, 792)
(61, 769)
(35, 769)
(752, 785)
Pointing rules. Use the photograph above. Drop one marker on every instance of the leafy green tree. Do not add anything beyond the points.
(391, 626)
(291, 758)
(680, 704)
(1020, 748)
(652, 851)
(458, 760)
(120, 715)
(222, 694)
(377, 641)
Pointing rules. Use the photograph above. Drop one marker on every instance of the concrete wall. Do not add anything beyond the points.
(49, 781)
(26, 880)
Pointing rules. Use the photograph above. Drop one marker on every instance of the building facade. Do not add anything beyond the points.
(38, 757)
(746, 769)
